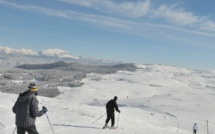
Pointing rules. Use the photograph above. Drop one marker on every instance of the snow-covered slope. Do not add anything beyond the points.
(155, 99)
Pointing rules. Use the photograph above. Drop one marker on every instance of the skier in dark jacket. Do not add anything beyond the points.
(110, 106)
(26, 110)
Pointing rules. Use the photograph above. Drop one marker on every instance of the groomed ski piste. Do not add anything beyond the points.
(155, 99)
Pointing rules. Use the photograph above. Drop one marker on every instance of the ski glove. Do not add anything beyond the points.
(119, 111)
(45, 109)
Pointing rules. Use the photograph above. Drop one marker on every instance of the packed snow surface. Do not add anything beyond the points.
(154, 99)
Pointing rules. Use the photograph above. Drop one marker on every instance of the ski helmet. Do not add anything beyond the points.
(32, 87)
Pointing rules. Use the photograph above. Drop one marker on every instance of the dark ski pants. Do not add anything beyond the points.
(29, 130)
(110, 116)
(194, 131)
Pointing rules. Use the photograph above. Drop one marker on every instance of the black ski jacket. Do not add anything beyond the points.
(111, 105)
(26, 109)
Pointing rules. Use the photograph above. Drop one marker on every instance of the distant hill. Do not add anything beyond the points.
(73, 66)
(49, 76)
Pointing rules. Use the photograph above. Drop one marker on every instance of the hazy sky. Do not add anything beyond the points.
(170, 32)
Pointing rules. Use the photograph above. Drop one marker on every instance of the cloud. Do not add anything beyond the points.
(208, 26)
(180, 29)
(139, 9)
(177, 16)
(86, 3)
(108, 21)
(186, 21)
(126, 8)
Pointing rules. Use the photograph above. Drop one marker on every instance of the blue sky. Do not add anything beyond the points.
(170, 32)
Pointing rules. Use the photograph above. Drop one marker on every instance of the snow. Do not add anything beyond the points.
(155, 99)
(57, 53)
(7, 50)
(28, 52)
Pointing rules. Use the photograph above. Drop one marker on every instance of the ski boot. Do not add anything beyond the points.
(112, 127)
(105, 126)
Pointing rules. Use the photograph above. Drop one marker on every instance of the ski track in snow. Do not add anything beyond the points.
(153, 100)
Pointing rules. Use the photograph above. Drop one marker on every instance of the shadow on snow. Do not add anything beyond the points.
(63, 125)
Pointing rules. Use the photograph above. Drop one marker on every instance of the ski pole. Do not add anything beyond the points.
(99, 118)
(50, 123)
(117, 120)
(14, 130)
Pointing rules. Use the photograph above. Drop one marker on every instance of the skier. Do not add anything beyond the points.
(195, 128)
(110, 106)
(26, 110)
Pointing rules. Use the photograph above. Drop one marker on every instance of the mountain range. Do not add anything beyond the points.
(10, 57)
(58, 53)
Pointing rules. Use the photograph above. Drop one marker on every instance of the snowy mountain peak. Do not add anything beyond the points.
(10, 51)
(57, 53)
